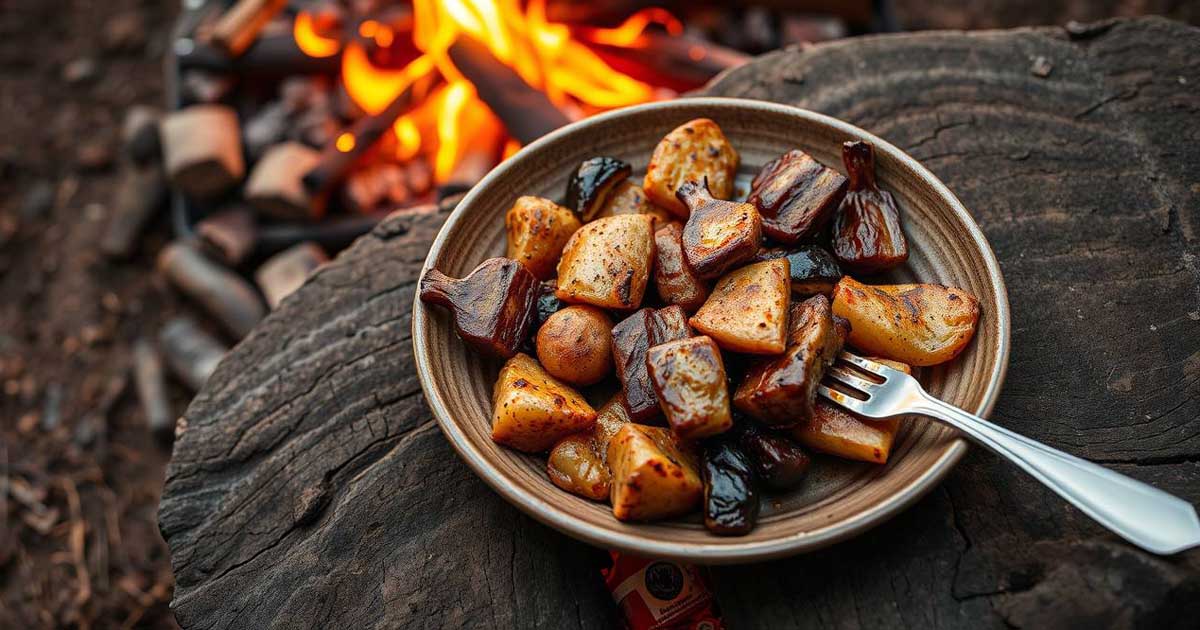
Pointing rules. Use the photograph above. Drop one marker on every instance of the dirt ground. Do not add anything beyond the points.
(80, 474)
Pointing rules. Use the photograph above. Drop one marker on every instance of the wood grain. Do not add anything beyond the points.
(1084, 179)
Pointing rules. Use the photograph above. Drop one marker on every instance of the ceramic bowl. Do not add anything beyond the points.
(840, 498)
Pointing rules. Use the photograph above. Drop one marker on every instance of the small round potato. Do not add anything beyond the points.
(575, 345)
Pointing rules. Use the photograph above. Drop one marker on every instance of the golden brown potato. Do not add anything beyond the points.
(674, 279)
(531, 410)
(781, 392)
(719, 235)
(611, 416)
(694, 151)
(628, 197)
(575, 345)
(537, 231)
(689, 379)
(652, 477)
(747, 311)
(835, 431)
(607, 263)
(918, 324)
(574, 466)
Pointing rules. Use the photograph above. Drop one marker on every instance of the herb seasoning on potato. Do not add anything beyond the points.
(607, 262)
(695, 151)
(747, 311)
(537, 231)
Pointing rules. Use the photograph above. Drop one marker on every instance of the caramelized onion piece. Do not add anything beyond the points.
(631, 341)
(492, 307)
(591, 184)
(867, 237)
(730, 497)
(796, 195)
(574, 466)
(779, 462)
(719, 235)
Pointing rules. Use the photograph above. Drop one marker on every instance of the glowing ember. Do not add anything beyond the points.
(345, 142)
(543, 53)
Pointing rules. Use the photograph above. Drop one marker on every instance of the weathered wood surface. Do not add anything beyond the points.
(311, 488)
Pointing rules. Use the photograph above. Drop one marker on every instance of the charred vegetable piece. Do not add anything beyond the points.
(607, 263)
(867, 237)
(575, 345)
(730, 495)
(813, 269)
(719, 235)
(673, 277)
(689, 379)
(532, 411)
(695, 151)
(547, 302)
(537, 231)
(493, 306)
(748, 309)
(918, 324)
(628, 197)
(631, 341)
(781, 392)
(592, 183)
(835, 431)
(574, 466)
(652, 476)
(796, 196)
(779, 462)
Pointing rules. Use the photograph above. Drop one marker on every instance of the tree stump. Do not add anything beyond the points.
(311, 488)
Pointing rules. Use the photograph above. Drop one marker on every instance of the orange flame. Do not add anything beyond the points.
(629, 32)
(312, 43)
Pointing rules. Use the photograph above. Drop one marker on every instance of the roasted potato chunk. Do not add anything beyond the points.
(531, 411)
(575, 345)
(674, 278)
(813, 269)
(747, 310)
(493, 306)
(652, 477)
(695, 151)
(607, 263)
(574, 466)
(611, 416)
(730, 490)
(689, 379)
(835, 431)
(796, 195)
(867, 237)
(917, 324)
(593, 181)
(719, 235)
(632, 339)
(537, 231)
(781, 392)
(628, 197)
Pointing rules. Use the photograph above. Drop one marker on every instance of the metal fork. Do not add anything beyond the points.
(1144, 515)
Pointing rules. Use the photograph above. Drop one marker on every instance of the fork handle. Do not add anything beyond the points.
(1142, 514)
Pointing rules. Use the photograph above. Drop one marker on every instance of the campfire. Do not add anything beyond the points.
(294, 127)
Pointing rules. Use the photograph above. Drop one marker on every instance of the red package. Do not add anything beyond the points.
(661, 594)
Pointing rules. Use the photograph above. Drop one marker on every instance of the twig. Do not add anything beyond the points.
(78, 542)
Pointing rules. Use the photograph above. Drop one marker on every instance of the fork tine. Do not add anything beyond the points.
(873, 367)
(849, 402)
(847, 377)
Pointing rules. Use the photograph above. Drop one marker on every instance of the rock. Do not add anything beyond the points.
(1041, 67)
(139, 133)
(80, 70)
(125, 32)
(38, 201)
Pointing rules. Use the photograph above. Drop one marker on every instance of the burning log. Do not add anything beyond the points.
(680, 62)
(238, 27)
(527, 113)
(152, 389)
(191, 353)
(139, 134)
(366, 189)
(223, 293)
(276, 186)
(228, 236)
(340, 156)
(202, 150)
(286, 271)
(141, 192)
(269, 56)
(481, 157)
